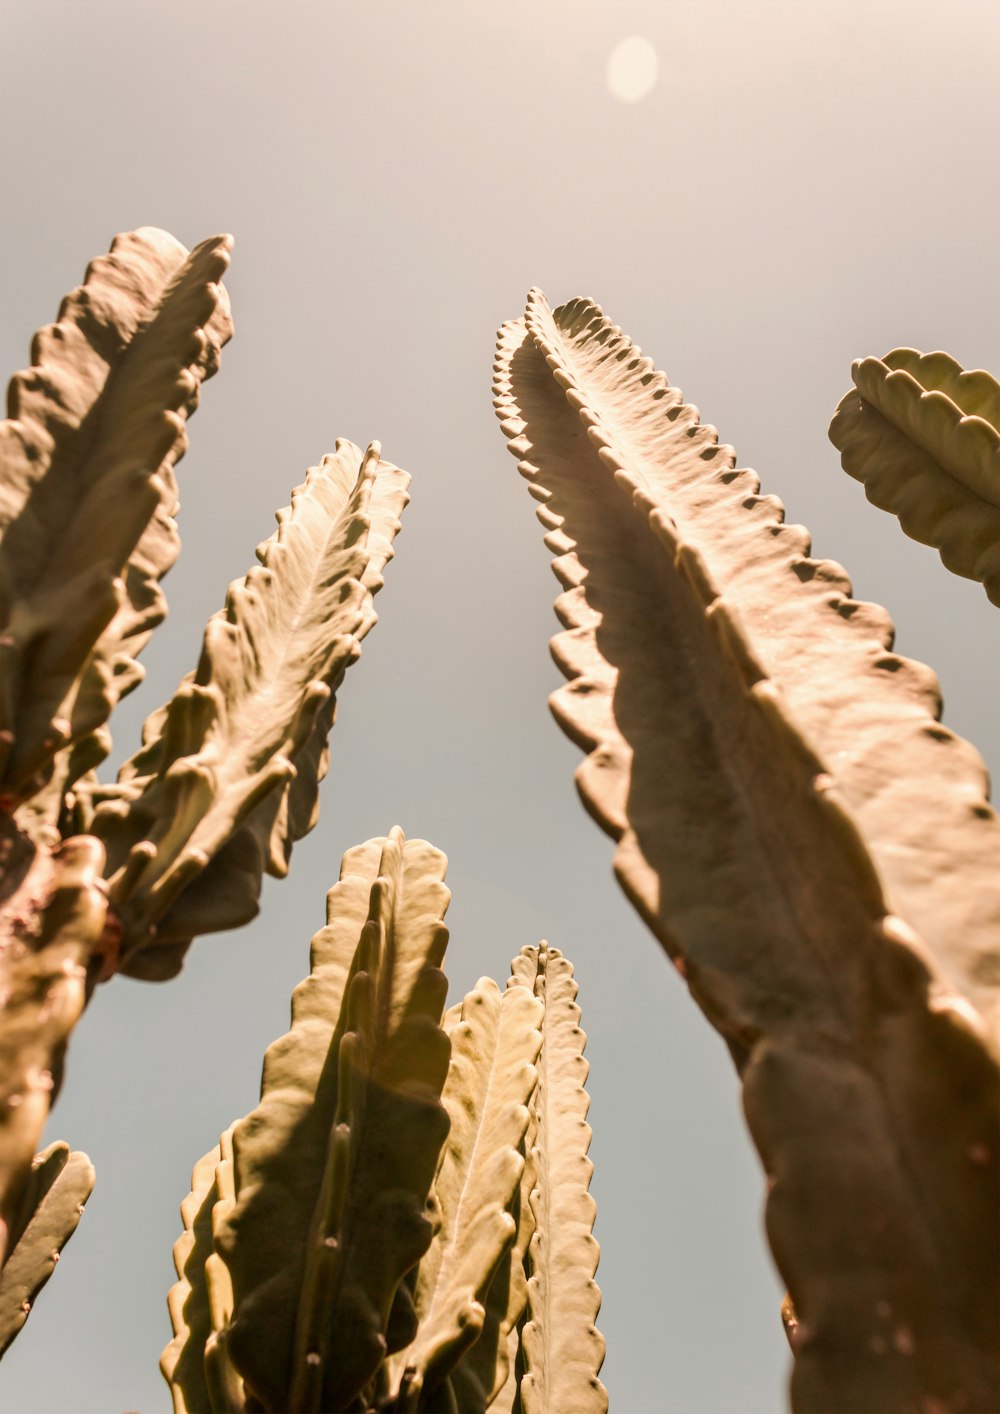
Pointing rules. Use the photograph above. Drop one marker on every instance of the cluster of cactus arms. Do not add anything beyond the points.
(403, 1223)
(100, 878)
(813, 849)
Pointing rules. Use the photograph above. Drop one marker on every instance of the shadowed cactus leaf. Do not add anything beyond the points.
(58, 1186)
(491, 1078)
(370, 1226)
(333, 1169)
(721, 679)
(87, 494)
(227, 776)
(923, 436)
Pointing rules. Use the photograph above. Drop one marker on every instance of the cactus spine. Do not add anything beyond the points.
(367, 1247)
(772, 775)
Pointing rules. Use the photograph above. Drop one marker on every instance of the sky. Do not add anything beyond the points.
(796, 187)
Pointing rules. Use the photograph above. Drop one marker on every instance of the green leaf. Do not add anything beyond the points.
(87, 492)
(51, 1206)
(923, 436)
(227, 777)
(772, 774)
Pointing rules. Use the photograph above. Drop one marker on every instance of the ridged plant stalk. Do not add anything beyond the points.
(404, 1223)
(98, 878)
(923, 436)
(813, 849)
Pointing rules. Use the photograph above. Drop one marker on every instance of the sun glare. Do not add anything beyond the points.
(632, 69)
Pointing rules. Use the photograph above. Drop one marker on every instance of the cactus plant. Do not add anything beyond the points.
(923, 436)
(103, 878)
(815, 852)
(361, 1239)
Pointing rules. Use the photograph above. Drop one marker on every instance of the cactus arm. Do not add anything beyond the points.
(486, 1370)
(52, 915)
(485, 1376)
(370, 1227)
(562, 1347)
(563, 1354)
(482, 1369)
(58, 1187)
(280, 1147)
(625, 469)
(87, 487)
(490, 1081)
(870, 1083)
(351, 1080)
(923, 436)
(227, 776)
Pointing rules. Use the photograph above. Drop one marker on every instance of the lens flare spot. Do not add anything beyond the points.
(633, 69)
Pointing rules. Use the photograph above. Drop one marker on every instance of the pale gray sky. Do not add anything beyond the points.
(804, 185)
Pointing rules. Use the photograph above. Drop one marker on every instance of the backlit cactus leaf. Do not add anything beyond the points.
(923, 436)
(87, 491)
(332, 1170)
(490, 1081)
(562, 1348)
(280, 1147)
(371, 1225)
(53, 910)
(58, 1186)
(773, 775)
(227, 776)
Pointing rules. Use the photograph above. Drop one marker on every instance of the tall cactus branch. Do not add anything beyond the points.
(815, 852)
